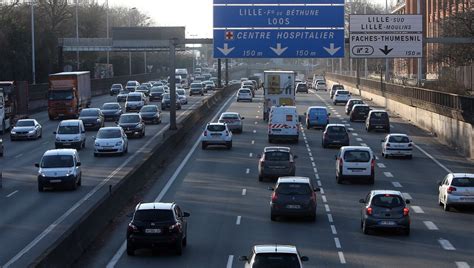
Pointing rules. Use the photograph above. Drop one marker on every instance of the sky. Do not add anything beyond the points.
(195, 15)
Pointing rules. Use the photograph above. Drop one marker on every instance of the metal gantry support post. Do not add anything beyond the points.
(172, 85)
(226, 72)
(219, 73)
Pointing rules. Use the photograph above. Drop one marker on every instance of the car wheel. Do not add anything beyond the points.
(40, 187)
(179, 248)
(130, 250)
(260, 177)
(385, 156)
(273, 217)
(407, 231)
(185, 241)
(339, 178)
(365, 229)
(308, 126)
(446, 207)
(74, 185)
(368, 129)
(79, 183)
(203, 145)
(229, 145)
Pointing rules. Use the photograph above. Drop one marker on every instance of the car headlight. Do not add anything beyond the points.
(58, 139)
(138, 126)
(118, 143)
(77, 138)
(12, 132)
(98, 120)
(31, 131)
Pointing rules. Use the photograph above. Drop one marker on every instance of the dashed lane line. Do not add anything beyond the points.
(230, 260)
(396, 184)
(388, 174)
(341, 257)
(319, 183)
(462, 264)
(254, 131)
(359, 139)
(244, 191)
(430, 225)
(445, 244)
(323, 197)
(355, 134)
(337, 242)
(12, 193)
(351, 129)
(417, 209)
(321, 190)
(432, 158)
(326, 207)
(247, 171)
(381, 165)
(237, 222)
(253, 142)
(250, 154)
(330, 219)
(333, 229)
(407, 196)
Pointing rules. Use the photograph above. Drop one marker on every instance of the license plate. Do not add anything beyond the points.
(66, 143)
(54, 181)
(276, 129)
(357, 170)
(389, 223)
(336, 141)
(378, 126)
(215, 134)
(467, 198)
(293, 206)
(152, 231)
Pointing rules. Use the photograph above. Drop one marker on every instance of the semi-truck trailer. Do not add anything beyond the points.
(278, 90)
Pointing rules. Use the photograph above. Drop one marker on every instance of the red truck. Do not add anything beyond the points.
(68, 94)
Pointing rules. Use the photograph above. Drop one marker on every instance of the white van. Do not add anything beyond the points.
(60, 166)
(283, 124)
(70, 134)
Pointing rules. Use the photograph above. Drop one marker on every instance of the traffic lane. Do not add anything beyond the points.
(93, 175)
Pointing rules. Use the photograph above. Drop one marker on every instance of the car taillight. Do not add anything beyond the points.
(313, 197)
(274, 197)
(175, 227)
(372, 164)
(205, 132)
(410, 144)
(132, 228)
(451, 189)
(406, 211)
(368, 211)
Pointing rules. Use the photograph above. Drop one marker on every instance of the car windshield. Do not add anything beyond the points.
(379, 115)
(154, 215)
(25, 123)
(57, 161)
(134, 98)
(293, 189)
(216, 128)
(89, 112)
(111, 106)
(123, 92)
(399, 139)
(354, 102)
(387, 201)
(196, 86)
(131, 118)
(68, 129)
(105, 133)
(149, 109)
(463, 182)
(277, 156)
(302, 85)
(276, 260)
(157, 89)
(321, 83)
(60, 95)
(131, 84)
(116, 86)
(180, 92)
(357, 156)
(336, 129)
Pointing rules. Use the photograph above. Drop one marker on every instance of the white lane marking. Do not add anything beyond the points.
(341, 257)
(230, 260)
(309, 150)
(18, 156)
(256, 123)
(376, 157)
(355, 134)
(311, 158)
(317, 176)
(391, 126)
(171, 180)
(12, 193)
(396, 184)
(363, 144)
(319, 183)
(381, 165)
(337, 242)
(351, 129)
(462, 264)
(310, 154)
(333, 229)
(244, 191)
(46, 142)
(330, 219)
(321, 190)
(417, 209)
(323, 197)
(339, 116)
(407, 196)
(359, 139)
(250, 154)
(388, 174)
(326, 207)
(305, 141)
(253, 142)
(432, 158)
(315, 169)
(430, 225)
(247, 171)
(445, 244)
(312, 163)
(254, 131)
(258, 111)
(239, 218)
(256, 116)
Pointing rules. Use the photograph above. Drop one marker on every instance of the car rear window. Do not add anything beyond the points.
(277, 156)
(134, 98)
(399, 139)
(361, 108)
(216, 128)
(387, 201)
(336, 87)
(340, 92)
(93, 112)
(301, 86)
(357, 156)
(244, 91)
(336, 129)
(379, 115)
(149, 109)
(276, 260)
(154, 215)
(463, 182)
(111, 106)
(230, 116)
(293, 189)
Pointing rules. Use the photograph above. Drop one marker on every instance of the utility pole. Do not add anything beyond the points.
(419, 62)
(130, 53)
(107, 22)
(226, 72)
(33, 52)
(172, 75)
(77, 35)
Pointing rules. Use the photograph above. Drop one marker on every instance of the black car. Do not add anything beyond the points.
(132, 124)
(335, 135)
(293, 196)
(157, 225)
(276, 162)
(196, 89)
(301, 87)
(92, 118)
(156, 93)
(166, 102)
(111, 111)
(350, 103)
(359, 112)
(377, 120)
(150, 114)
(115, 89)
(385, 209)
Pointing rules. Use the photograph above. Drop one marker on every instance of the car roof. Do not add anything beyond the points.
(346, 148)
(109, 128)
(60, 152)
(355, 100)
(229, 113)
(275, 248)
(293, 179)
(360, 105)
(135, 93)
(276, 149)
(462, 175)
(335, 125)
(378, 111)
(397, 134)
(155, 205)
(317, 107)
(377, 192)
(216, 124)
(70, 122)
(111, 103)
(150, 105)
(90, 109)
(26, 119)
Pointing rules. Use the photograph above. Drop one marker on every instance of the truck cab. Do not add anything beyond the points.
(68, 94)
(13, 103)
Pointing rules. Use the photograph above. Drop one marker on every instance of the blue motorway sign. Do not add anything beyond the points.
(278, 43)
(292, 2)
(278, 16)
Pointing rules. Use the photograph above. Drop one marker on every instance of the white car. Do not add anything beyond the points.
(456, 189)
(321, 85)
(110, 140)
(341, 96)
(355, 162)
(397, 145)
(274, 255)
(182, 95)
(233, 121)
(244, 94)
(59, 167)
(216, 134)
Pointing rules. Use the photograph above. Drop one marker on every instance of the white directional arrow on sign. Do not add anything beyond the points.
(226, 50)
(279, 50)
(332, 50)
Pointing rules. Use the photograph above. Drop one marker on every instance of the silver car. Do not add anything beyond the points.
(26, 129)
(233, 121)
(110, 140)
(456, 189)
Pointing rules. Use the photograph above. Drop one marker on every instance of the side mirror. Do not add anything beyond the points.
(317, 189)
(304, 258)
(407, 201)
(382, 140)
(362, 201)
(243, 258)
(116, 122)
(271, 189)
(186, 214)
(348, 130)
(78, 164)
(242, 118)
(304, 114)
(439, 183)
(54, 132)
(329, 114)
(37, 165)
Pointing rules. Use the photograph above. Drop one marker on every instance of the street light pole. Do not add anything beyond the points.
(33, 55)
(77, 34)
(107, 22)
(130, 53)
